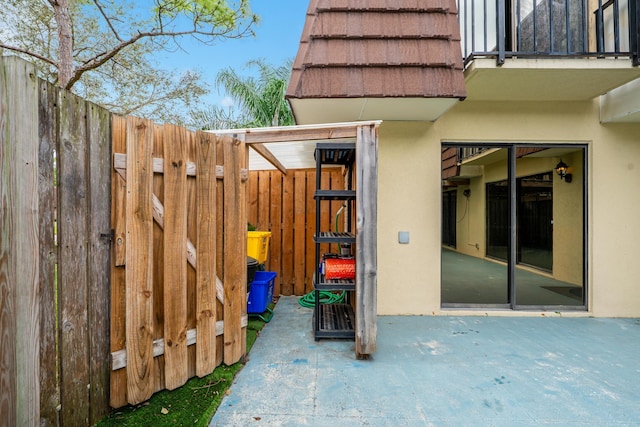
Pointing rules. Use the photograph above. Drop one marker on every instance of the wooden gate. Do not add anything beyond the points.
(178, 280)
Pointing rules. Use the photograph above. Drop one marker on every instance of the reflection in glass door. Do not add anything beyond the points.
(498, 220)
(535, 221)
(449, 201)
(468, 278)
(519, 226)
(550, 228)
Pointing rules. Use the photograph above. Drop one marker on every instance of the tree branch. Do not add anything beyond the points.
(208, 36)
(28, 52)
(107, 20)
(103, 57)
(100, 59)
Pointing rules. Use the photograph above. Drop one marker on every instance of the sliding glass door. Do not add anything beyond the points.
(550, 224)
(519, 226)
(469, 277)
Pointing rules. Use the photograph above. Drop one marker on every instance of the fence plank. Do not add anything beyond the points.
(192, 235)
(275, 249)
(175, 257)
(264, 194)
(99, 129)
(8, 280)
(206, 261)
(253, 200)
(287, 234)
(219, 147)
(158, 255)
(118, 379)
(49, 391)
(235, 248)
(310, 229)
(299, 231)
(73, 280)
(139, 292)
(24, 108)
(22, 97)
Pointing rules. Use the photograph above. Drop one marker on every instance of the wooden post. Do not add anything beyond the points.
(366, 239)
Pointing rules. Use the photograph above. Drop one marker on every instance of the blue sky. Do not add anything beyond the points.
(276, 40)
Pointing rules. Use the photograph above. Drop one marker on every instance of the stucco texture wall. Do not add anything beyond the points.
(409, 199)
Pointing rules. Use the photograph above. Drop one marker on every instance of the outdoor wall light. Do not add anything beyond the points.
(561, 170)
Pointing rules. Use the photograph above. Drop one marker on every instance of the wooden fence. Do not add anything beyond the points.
(178, 198)
(102, 220)
(284, 205)
(100, 299)
(54, 156)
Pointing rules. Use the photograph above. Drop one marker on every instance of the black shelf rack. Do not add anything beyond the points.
(335, 320)
(325, 284)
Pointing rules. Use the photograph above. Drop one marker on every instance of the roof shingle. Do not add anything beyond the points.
(379, 48)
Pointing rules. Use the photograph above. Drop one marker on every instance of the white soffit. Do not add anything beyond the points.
(329, 110)
(546, 79)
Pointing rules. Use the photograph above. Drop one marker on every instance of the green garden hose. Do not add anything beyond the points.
(326, 297)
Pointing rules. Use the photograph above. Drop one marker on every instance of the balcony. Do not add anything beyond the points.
(548, 50)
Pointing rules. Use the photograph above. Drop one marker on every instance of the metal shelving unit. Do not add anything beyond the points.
(333, 320)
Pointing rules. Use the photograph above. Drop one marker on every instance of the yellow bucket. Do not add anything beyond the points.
(258, 245)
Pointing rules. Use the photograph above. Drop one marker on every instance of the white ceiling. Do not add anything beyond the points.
(293, 155)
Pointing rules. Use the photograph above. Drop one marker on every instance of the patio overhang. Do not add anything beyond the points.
(292, 147)
(546, 79)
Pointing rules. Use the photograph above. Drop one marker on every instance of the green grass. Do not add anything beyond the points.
(193, 404)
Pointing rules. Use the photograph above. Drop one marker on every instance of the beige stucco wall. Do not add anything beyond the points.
(409, 199)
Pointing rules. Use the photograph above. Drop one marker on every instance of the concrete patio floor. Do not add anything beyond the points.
(441, 371)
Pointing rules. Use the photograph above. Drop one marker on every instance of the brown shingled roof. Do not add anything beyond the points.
(379, 49)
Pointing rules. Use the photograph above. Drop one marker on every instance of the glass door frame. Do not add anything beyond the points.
(512, 233)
